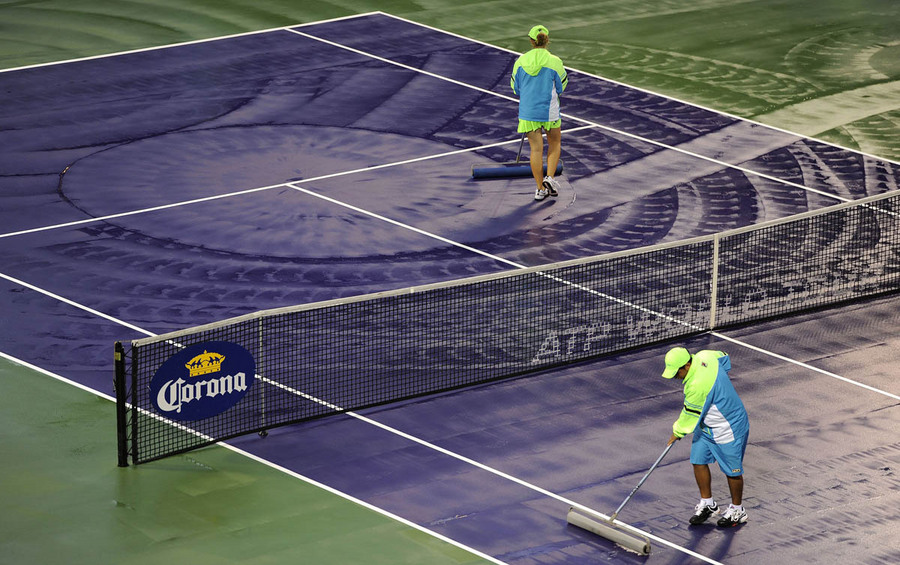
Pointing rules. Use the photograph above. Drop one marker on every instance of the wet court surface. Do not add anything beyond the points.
(252, 161)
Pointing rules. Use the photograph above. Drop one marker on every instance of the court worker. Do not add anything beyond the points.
(714, 414)
(538, 78)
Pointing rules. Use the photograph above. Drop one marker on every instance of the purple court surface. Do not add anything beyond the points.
(167, 188)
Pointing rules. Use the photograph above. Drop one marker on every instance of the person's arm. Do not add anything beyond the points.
(561, 80)
(690, 413)
(512, 79)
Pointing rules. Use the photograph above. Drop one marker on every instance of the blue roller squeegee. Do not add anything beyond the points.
(510, 170)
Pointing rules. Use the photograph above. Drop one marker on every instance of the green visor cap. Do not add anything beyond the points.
(536, 30)
(676, 358)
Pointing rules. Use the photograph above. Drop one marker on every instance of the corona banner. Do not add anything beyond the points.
(203, 380)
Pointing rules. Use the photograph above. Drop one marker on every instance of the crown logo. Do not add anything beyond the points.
(205, 363)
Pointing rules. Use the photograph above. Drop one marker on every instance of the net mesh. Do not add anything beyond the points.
(320, 359)
(817, 260)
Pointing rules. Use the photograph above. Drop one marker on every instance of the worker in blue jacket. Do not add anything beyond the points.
(714, 413)
(538, 78)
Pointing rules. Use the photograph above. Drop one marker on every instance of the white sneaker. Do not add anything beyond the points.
(733, 517)
(551, 185)
(540, 194)
(703, 512)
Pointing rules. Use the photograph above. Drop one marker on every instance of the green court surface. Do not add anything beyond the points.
(827, 68)
(65, 500)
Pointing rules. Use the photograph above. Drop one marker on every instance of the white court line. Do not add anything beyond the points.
(74, 304)
(365, 504)
(406, 226)
(182, 44)
(804, 365)
(141, 211)
(60, 378)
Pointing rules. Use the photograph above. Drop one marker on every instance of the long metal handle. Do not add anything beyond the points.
(521, 145)
(634, 490)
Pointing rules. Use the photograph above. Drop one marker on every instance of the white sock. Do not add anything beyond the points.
(739, 508)
(708, 501)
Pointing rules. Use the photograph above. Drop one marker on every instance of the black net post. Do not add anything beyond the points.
(121, 405)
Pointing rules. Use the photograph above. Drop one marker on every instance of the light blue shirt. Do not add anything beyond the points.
(538, 78)
(723, 417)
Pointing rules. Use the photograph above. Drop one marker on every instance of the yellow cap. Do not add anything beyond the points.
(537, 30)
(676, 358)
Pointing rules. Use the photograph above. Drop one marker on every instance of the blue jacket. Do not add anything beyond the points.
(711, 405)
(538, 78)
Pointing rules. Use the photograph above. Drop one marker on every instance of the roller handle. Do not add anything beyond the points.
(634, 490)
(521, 145)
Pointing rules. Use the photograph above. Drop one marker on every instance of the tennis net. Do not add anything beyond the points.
(187, 389)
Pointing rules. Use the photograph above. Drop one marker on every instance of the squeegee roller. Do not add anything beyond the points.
(610, 531)
(509, 171)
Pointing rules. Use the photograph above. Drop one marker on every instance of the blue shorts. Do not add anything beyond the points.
(729, 456)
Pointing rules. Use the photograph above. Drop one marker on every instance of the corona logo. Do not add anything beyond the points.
(174, 394)
(205, 363)
(203, 380)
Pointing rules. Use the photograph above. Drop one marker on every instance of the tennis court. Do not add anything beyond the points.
(329, 160)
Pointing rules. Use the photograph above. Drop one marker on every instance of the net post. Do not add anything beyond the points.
(121, 405)
(714, 291)
(260, 336)
(135, 351)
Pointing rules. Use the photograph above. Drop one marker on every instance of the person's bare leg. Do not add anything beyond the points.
(704, 480)
(736, 486)
(536, 144)
(554, 148)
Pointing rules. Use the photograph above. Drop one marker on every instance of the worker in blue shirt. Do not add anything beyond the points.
(538, 78)
(714, 413)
